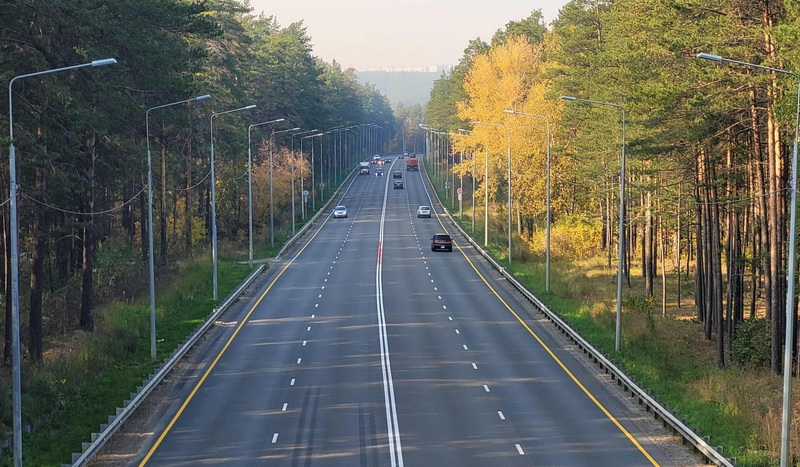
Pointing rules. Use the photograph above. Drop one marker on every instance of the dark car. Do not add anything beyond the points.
(379, 173)
(441, 242)
(387, 160)
(398, 184)
(397, 174)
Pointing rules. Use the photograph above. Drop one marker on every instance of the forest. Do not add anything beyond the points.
(708, 148)
(82, 139)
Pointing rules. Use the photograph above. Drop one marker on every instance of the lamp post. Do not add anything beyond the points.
(214, 198)
(547, 208)
(621, 241)
(303, 205)
(473, 179)
(271, 201)
(150, 259)
(788, 340)
(508, 140)
(293, 209)
(16, 385)
(250, 185)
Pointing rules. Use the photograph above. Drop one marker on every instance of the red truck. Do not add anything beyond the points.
(411, 163)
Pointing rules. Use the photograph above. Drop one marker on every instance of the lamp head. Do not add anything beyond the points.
(509, 111)
(105, 61)
(203, 97)
(251, 106)
(706, 56)
(569, 98)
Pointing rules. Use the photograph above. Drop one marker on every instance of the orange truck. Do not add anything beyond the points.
(412, 163)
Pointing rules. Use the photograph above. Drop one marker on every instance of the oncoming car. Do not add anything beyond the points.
(379, 173)
(424, 211)
(340, 211)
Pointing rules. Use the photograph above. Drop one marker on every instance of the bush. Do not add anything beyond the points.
(572, 237)
(751, 343)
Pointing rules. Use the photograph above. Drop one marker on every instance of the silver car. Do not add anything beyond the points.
(424, 211)
(340, 211)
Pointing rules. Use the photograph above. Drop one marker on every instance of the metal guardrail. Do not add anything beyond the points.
(699, 443)
(123, 413)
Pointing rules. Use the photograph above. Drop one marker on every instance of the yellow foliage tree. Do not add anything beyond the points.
(511, 76)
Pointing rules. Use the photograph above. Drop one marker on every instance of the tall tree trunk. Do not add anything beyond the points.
(647, 247)
(163, 203)
(87, 292)
(38, 253)
(188, 197)
(678, 247)
(6, 287)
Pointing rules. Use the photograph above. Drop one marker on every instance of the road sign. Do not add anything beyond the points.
(459, 190)
(305, 194)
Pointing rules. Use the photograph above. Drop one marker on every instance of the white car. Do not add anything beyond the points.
(340, 211)
(424, 211)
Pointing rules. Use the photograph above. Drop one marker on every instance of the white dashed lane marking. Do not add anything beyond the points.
(485, 388)
(275, 438)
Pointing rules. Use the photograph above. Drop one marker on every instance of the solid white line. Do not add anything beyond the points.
(285, 405)
(275, 438)
(500, 414)
(485, 387)
(292, 383)
(519, 450)
(474, 366)
(395, 447)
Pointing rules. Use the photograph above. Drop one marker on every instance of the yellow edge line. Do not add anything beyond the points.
(554, 357)
(222, 352)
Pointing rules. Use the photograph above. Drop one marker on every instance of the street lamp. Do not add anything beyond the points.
(788, 339)
(271, 202)
(214, 198)
(508, 139)
(151, 261)
(250, 185)
(473, 178)
(547, 208)
(303, 205)
(621, 242)
(293, 135)
(16, 385)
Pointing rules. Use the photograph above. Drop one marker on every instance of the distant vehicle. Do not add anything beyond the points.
(412, 164)
(424, 211)
(375, 159)
(340, 211)
(364, 169)
(413, 154)
(379, 172)
(403, 156)
(398, 184)
(397, 174)
(388, 160)
(441, 242)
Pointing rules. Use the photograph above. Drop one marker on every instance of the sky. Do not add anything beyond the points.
(400, 33)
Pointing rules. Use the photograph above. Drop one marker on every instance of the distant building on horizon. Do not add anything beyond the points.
(409, 69)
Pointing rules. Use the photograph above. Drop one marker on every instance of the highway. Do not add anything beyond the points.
(364, 348)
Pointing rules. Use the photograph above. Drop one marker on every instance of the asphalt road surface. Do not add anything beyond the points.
(365, 348)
